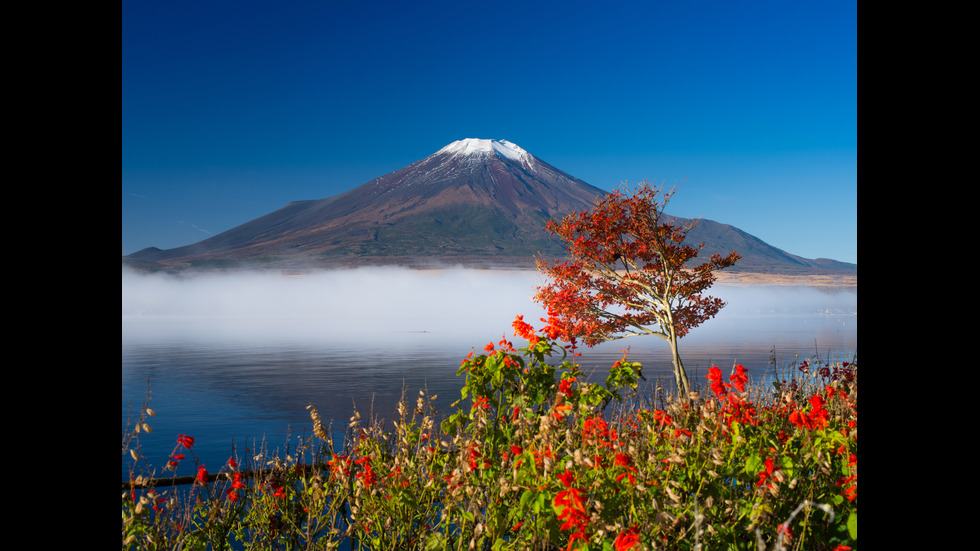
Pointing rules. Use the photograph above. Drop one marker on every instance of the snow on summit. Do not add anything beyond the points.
(476, 146)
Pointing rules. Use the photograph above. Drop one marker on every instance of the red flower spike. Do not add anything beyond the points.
(567, 478)
(202, 475)
(766, 474)
(739, 378)
(524, 330)
(627, 540)
(565, 386)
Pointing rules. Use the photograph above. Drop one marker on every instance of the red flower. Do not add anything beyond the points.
(174, 459)
(718, 387)
(367, 475)
(818, 416)
(625, 461)
(524, 330)
(237, 483)
(565, 386)
(571, 509)
(339, 464)
(800, 419)
(560, 410)
(850, 492)
(766, 474)
(661, 418)
(185, 440)
(739, 378)
(567, 478)
(627, 540)
(595, 428)
(202, 474)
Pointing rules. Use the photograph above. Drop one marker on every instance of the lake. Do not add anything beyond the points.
(235, 359)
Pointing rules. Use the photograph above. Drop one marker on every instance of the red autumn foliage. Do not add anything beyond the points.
(629, 273)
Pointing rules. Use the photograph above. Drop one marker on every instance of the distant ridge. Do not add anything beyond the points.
(475, 202)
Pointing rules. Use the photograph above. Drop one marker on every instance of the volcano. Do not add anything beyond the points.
(475, 202)
(472, 199)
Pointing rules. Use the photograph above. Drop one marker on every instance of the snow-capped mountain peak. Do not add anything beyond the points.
(480, 147)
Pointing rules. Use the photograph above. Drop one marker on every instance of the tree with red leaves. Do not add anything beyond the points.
(630, 273)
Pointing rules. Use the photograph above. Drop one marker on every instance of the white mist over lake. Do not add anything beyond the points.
(368, 302)
(359, 304)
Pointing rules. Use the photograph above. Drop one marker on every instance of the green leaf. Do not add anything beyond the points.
(525, 498)
(435, 541)
(540, 502)
(852, 525)
(786, 463)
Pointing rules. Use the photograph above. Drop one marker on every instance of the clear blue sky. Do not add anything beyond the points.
(231, 109)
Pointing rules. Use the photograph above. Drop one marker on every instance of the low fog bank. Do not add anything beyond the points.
(780, 300)
(359, 303)
(379, 302)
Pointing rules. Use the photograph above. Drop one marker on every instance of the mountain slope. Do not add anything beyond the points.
(471, 197)
(474, 202)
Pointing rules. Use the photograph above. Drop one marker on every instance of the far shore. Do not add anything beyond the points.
(781, 280)
(840, 280)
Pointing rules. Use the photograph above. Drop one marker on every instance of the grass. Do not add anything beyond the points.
(534, 456)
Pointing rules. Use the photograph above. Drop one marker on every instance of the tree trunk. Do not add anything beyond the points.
(683, 384)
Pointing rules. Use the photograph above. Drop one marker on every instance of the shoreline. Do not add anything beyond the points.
(749, 279)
